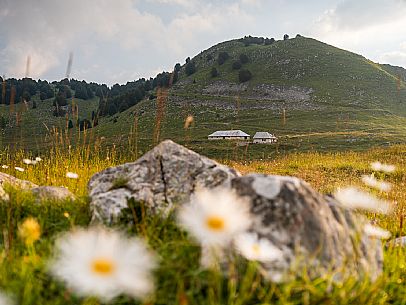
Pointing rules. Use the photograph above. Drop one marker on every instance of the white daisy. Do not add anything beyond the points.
(353, 198)
(38, 159)
(27, 161)
(371, 181)
(5, 300)
(4, 166)
(103, 263)
(376, 232)
(20, 169)
(72, 175)
(254, 249)
(215, 217)
(380, 167)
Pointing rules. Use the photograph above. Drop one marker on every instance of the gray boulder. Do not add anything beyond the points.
(39, 192)
(53, 193)
(314, 233)
(12, 181)
(166, 175)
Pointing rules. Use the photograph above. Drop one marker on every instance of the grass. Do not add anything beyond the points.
(179, 278)
(355, 105)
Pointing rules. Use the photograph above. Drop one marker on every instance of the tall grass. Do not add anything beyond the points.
(179, 278)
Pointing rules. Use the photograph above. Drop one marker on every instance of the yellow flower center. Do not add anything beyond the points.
(103, 266)
(256, 249)
(215, 223)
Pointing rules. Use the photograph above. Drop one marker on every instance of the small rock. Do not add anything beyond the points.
(13, 182)
(52, 192)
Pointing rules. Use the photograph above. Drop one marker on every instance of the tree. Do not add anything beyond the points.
(244, 59)
(214, 72)
(70, 124)
(34, 104)
(285, 37)
(190, 68)
(85, 124)
(177, 67)
(244, 75)
(60, 100)
(187, 60)
(237, 65)
(112, 109)
(223, 56)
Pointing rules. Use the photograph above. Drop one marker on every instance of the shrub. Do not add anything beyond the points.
(214, 72)
(223, 56)
(244, 59)
(190, 68)
(237, 65)
(244, 75)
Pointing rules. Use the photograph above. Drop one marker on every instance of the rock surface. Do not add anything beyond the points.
(167, 174)
(397, 242)
(40, 192)
(53, 193)
(313, 231)
(14, 182)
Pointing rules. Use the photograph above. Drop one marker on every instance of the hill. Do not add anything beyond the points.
(310, 94)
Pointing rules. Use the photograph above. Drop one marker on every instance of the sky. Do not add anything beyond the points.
(115, 41)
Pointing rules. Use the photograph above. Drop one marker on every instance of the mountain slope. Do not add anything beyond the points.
(310, 94)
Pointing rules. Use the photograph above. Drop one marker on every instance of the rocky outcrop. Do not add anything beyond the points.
(166, 175)
(14, 182)
(313, 231)
(39, 192)
(52, 193)
(315, 234)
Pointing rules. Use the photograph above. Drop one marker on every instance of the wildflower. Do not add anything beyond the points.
(38, 159)
(72, 175)
(20, 169)
(29, 162)
(354, 198)
(377, 232)
(371, 181)
(29, 231)
(66, 214)
(215, 217)
(4, 166)
(255, 249)
(103, 263)
(379, 167)
(5, 300)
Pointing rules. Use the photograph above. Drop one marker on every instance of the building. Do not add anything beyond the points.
(264, 138)
(229, 135)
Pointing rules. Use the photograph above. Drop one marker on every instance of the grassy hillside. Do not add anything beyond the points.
(313, 96)
(179, 278)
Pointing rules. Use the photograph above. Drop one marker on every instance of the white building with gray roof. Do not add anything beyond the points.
(229, 135)
(264, 138)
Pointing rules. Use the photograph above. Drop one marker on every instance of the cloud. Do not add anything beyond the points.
(47, 30)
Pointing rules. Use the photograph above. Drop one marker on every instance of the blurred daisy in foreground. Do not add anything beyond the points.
(353, 198)
(377, 232)
(103, 263)
(371, 181)
(254, 249)
(215, 217)
(380, 167)
(29, 231)
(20, 169)
(5, 300)
(72, 175)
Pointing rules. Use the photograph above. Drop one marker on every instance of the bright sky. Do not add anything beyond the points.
(115, 41)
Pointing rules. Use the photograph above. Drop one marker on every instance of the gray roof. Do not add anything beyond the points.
(264, 135)
(229, 133)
